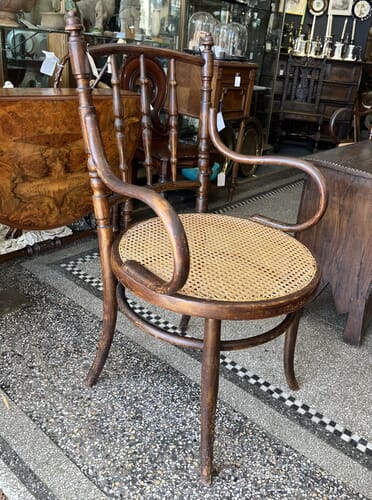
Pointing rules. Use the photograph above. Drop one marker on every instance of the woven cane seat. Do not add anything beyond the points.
(231, 259)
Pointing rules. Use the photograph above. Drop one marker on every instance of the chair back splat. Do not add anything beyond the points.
(301, 101)
(211, 266)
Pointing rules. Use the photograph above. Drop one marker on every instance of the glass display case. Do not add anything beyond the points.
(162, 22)
(261, 23)
(21, 57)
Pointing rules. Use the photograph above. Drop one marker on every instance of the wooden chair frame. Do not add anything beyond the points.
(131, 274)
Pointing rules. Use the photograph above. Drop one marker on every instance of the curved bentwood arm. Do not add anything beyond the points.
(101, 173)
(281, 161)
(162, 209)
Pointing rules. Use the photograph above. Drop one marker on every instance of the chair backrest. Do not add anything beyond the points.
(134, 66)
(130, 79)
(303, 85)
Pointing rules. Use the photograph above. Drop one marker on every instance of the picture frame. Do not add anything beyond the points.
(340, 7)
(295, 7)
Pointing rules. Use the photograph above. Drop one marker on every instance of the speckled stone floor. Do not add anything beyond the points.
(136, 434)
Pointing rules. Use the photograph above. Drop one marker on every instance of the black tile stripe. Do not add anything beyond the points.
(23, 472)
(346, 435)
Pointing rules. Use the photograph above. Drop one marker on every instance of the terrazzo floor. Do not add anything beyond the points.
(136, 433)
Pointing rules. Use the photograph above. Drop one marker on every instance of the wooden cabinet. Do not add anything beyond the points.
(342, 240)
(340, 86)
(232, 89)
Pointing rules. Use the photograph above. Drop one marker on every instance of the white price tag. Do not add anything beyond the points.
(220, 121)
(49, 64)
(237, 80)
(109, 68)
(92, 65)
(221, 179)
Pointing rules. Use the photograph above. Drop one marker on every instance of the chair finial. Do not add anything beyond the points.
(207, 42)
(73, 22)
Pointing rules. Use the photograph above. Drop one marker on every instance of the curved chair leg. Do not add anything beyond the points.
(108, 328)
(209, 391)
(289, 349)
(110, 311)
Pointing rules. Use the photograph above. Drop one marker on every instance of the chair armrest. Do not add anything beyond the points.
(333, 121)
(160, 206)
(281, 161)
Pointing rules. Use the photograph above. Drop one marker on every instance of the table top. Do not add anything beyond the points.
(354, 159)
(44, 179)
(52, 93)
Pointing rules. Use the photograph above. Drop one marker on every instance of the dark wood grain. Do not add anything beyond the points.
(44, 180)
(342, 240)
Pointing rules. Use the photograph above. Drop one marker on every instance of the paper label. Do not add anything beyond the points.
(237, 80)
(92, 65)
(49, 64)
(220, 121)
(221, 179)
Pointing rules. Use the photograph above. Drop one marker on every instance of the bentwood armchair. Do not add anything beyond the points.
(200, 264)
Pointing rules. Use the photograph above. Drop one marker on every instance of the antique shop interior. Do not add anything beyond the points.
(185, 249)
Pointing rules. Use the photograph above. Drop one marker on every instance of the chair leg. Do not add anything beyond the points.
(184, 323)
(108, 327)
(110, 311)
(209, 391)
(289, 349)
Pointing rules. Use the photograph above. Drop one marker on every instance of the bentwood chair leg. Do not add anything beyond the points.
(184, 323)
(110, 312)
(289, 349)
(209, 391)
(108, 328)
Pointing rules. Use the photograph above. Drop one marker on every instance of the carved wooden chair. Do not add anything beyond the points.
(161, 121)
(200, 264)
(300, 101)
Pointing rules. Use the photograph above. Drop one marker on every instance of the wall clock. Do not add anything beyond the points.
(362, 10)
(317, 7)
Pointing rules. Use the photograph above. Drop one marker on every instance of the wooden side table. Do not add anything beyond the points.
(342, 240)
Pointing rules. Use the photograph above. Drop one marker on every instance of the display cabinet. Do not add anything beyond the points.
(22, 54)
(263, 23)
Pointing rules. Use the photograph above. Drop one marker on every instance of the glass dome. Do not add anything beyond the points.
(230, 41)
(200, 23)
(220, 38)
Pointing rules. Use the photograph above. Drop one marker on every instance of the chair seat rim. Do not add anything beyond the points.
(220, 310)
(217, 309)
